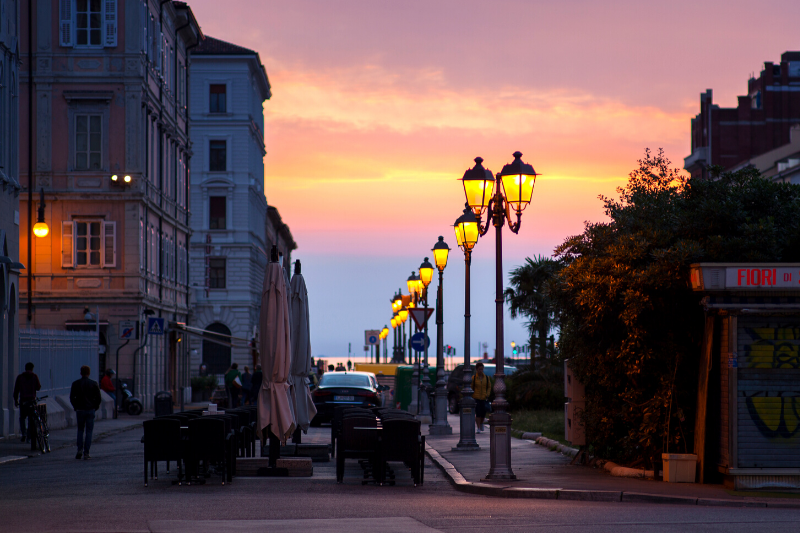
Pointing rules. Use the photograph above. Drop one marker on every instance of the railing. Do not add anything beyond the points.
(57, 356)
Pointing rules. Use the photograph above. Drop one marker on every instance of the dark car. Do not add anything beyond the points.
(359, 389)
(456, 380)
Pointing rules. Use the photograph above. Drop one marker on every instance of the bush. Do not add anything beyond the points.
(535, 387)
(204, 383)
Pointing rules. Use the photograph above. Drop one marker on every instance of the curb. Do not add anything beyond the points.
(556, 446)
(459, 482)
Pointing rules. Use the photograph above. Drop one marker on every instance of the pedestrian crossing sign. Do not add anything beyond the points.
(155, 326)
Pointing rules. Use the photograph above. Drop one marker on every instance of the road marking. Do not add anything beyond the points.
(399, 524)
(10, 458)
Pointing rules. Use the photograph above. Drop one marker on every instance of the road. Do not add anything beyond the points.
(55, 492)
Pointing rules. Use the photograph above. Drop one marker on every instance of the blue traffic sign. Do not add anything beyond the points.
(372, 339)
(417, 341)
(155, 326)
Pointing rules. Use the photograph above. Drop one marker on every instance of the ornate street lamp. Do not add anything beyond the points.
(440, 426)
(397, 304)
(511, 192)
(413, 288)
(466, 229)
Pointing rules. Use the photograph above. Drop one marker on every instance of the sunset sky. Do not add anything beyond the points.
(379, 107)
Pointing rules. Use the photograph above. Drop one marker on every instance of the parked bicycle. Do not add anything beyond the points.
(37, 420)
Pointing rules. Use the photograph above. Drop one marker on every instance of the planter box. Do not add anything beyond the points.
(679, 467)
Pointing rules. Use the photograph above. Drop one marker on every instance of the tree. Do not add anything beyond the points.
(630, 323)
(529, 296)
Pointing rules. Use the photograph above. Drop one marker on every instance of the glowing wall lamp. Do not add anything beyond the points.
(40, 229)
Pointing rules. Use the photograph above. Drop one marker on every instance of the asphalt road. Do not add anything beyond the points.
(55, 492)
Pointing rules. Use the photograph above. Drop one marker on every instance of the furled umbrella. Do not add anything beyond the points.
(304, 408)
(274, 399)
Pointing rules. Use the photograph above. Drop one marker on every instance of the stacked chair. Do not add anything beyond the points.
(396, 437)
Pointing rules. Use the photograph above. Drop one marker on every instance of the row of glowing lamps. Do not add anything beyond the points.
(516, 183)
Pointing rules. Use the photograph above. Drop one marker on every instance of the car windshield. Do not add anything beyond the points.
(334, 379)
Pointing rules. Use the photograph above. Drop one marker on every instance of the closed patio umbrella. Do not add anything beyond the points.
(274, 399)
(304, 408)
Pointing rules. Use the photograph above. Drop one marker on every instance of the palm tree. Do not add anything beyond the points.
(529, 296)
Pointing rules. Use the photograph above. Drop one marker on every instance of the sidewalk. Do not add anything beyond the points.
(542, 473)
(11, 448)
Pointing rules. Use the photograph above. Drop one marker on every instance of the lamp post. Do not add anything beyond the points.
(416, 405)
(423, 280)
(466, 228)
(510, 191)
(440, 425)
(397, 304)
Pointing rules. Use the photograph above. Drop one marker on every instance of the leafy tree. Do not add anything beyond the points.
(630, 323)
(529, 296)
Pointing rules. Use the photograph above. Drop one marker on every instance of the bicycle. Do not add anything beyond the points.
(37, 420)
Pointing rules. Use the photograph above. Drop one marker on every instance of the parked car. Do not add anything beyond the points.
(359, 389)
(456, 380)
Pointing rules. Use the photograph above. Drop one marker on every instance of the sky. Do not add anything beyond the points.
(379, 107)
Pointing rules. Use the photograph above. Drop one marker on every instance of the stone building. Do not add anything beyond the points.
(9, 211)
(761, 121)
(111, 152)
(229, 245)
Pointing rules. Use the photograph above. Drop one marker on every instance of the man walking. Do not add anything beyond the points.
(25, 389)
(482, 387)
(85, 399)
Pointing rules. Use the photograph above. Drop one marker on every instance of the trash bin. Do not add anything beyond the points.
(163, 403)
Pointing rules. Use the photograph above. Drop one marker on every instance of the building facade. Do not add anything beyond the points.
(228, 249)
(761, 122)
(10, 265)
(111, 152)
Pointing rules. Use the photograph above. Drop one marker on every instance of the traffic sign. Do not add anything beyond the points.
(371, 337)
(420, 316)
(155, 326)
(128, 330)
(417, 342)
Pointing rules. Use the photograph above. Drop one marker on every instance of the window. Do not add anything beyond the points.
(87, 243)
(217, 212)
(217, 102)
(88, 18)
(217, 156)
(88, 135)
(216, 277)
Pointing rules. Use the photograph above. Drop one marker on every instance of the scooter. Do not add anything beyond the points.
(130, 403)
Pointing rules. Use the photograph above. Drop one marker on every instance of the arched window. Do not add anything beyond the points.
(216, 356)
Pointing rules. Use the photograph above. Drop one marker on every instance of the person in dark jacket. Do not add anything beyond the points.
(85, 399)
(247, 383)
(255, 386)
(25, 389)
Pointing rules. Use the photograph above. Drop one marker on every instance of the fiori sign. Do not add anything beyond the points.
(733, 276)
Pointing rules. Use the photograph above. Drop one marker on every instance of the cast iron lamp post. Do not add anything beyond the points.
(424, 279)
(513, 189)
(397, 304)
(440, 426)
(416, 407)
(466, 228)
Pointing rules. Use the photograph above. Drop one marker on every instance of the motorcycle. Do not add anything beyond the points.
(130, 403)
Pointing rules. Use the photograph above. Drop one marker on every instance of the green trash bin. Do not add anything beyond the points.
(402, 384)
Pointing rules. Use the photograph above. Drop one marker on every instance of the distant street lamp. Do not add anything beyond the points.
(413, 289)
(440, 425)
(397, 304)
(510, 191)
(466, 228)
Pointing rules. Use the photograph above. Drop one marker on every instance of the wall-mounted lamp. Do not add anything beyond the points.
(40, 229)
(116, 179)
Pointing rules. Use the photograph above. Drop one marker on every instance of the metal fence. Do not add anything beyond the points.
(57, 356)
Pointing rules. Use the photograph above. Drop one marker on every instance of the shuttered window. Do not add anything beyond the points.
(67, 249)
(87, 243)
(87, 23)
(65, 27)
(110, 24)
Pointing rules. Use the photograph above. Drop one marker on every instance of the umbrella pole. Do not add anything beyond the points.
(274, 448)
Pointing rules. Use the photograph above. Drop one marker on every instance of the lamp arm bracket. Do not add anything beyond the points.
(484, 229)
(513, 226)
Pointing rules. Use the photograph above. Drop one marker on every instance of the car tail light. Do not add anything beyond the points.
(320, 392)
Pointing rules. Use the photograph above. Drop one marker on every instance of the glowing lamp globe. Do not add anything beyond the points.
(466, 228)
(426, 272)
(478, 185)
(412, 283)
(40, 229)
(440, 253)
(518, 180)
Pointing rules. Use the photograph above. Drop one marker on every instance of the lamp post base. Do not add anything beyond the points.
(441, 427)
(500, 447)
(466, 441)
(434, 429)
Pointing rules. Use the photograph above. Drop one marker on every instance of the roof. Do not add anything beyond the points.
(211, 46)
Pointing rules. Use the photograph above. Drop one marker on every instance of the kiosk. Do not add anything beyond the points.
(748, 410)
